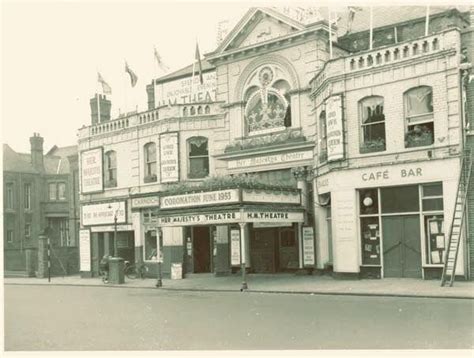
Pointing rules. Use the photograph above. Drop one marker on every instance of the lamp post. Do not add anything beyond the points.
(115, 230)
(159, 281)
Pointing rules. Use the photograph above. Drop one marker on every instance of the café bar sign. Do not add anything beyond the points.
(273, 159)
(103, 214)
(91, 171)
(335, 128)
(200, 199)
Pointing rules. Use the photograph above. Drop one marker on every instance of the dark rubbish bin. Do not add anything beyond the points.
(116, 275)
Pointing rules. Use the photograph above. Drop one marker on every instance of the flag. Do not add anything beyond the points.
(105, 86)
(133, 76)
(350, 18)
(160, 62)
(198, 59)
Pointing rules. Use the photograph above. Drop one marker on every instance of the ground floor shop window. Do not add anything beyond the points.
(435, 239)
(150, 245)
(370, 234)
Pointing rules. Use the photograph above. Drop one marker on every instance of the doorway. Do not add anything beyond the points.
(401, 246)
(263, 254)
(201, 249)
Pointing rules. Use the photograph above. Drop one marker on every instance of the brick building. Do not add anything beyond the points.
(281, 160)
(40, 192)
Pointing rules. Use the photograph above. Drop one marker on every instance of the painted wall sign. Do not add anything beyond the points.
(335, 128)
(200, 219)
(200, 199)
(273, 216)
(308, 246)
(179, 91)
(270, 197)
(235, 247)
(169, 157)
(270, 159)
(145, 202)
(91, 171)
(99, 214)
(84, 250)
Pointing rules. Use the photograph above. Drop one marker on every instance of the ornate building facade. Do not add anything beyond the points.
(285, 159)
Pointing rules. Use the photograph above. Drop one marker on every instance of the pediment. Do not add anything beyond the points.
(258, 26)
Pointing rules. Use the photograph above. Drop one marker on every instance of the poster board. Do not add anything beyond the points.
(235, 247)
(84, 250)
(308, 246)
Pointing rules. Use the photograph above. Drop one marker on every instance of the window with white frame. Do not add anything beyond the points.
(111, 169)
(150, 162)
(57, 191)
(419, 120)
(372, 116)
(61, 191)
(267, 101)
(198, 155)
(27, 196)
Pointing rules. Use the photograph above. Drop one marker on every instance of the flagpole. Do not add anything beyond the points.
(427, 21)
(192, 77)
(371, 28)
(124, 81)
(98, 98)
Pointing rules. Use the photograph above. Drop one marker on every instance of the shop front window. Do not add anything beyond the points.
(369, 226)
(150, 245)
(435, 238)
(401, 199)
(373, 124)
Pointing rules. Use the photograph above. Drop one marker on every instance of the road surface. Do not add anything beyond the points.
(68, 318)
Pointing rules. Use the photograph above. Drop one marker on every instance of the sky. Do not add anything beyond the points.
(52, 51)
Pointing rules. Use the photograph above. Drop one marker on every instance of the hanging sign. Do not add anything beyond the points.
(91, 171)
(308, 246)
(169, 157)
(335, 128)
(235, 247)
(84, 250)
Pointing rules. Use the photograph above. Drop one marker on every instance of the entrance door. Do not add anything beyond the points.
(201, 249)
(401, 246)
(262, 250)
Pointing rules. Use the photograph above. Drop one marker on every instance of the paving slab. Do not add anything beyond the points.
(279, 283)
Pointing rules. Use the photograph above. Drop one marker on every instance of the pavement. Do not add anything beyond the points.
(277, 283)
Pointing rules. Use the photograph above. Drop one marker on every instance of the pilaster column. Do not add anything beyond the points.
(243, 238)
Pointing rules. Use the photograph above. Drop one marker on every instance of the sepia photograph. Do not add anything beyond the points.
(226, 178)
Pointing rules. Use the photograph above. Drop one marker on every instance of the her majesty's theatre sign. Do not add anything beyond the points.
(182, 92)
(91, 171)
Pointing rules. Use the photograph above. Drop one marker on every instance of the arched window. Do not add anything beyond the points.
(198, 155)
(207, 110)
(192, 111)
(199, 111)
(419, 124)
(111, 169)
(323, 140)
(372, 117)
(185, 111)
(149, 151)
(267, 101)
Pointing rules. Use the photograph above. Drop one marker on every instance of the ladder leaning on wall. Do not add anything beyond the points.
(459, 217)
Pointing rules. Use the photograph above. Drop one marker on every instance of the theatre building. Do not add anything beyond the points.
(217, 175)
(391, 131)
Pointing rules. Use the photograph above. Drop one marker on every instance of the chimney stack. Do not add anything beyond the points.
(37, 152)
(105, 106)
